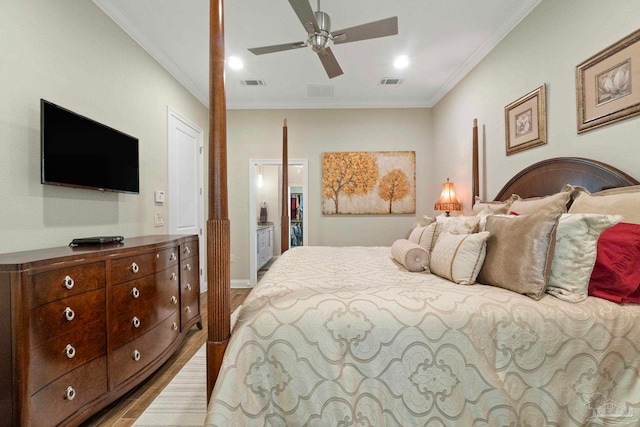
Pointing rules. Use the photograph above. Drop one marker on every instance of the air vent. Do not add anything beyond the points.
(253, 82)
(320, 91)
(390, 81)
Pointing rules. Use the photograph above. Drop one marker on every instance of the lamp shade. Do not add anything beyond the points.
(447, 201)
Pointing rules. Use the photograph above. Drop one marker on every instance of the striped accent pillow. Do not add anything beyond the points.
(459, 257)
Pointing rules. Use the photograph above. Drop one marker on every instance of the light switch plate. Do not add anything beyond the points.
(158, 196)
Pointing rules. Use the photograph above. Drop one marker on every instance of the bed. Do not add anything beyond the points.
(345, 336)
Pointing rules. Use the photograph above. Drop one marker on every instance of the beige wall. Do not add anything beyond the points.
(257, 134)
(544, 49)
(69, 52)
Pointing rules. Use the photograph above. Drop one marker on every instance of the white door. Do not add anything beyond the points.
(185, 196)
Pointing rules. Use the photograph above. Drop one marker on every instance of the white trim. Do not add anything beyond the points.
(240, 284)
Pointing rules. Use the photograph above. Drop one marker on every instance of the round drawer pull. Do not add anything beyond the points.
(187, 309)
(174, 300)
(187, 250)
(173, 256)
(136, 355)
(174, 276)
(135, 292)
(135, 268)
(188, 286)
(69, 314)
(70, 394)
(68, 282)
(174, 326)
(71, 352)
(187, 267)
(136, 322)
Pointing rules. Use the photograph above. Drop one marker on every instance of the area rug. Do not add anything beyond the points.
(183, 401)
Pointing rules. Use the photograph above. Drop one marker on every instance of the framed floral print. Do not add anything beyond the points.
(526, 121)
(608, 84)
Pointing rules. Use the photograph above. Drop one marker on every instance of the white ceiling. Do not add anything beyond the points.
(444, 40)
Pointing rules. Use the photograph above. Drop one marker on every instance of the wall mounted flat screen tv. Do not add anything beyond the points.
(79, 152)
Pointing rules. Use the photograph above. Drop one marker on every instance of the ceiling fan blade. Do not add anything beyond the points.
(276, 48)
(302, 8)
(372, 30)
(330, 63)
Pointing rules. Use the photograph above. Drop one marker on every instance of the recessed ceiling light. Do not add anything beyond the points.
(401, 61)
(235, 63)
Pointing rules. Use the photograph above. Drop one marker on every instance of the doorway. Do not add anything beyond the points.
(268, 173)
(186, 207)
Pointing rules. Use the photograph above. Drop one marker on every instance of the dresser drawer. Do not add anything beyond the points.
(131, 295)
(135, 355)
(189, 289)
(62, 354)
(189, 249)
(69, 393)
(65, 282)
(60, 317)
(158, 298)
(133, 267)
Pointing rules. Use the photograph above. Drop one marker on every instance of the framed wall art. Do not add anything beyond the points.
(369, 182)
(608, 84)
(526, 121)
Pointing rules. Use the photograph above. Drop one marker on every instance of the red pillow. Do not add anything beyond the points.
(616, 274)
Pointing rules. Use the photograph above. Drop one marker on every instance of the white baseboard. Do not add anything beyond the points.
(240, 283)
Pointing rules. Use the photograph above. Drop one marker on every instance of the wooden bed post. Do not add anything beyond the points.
(284, 219)
(475, 167)
(218, 236)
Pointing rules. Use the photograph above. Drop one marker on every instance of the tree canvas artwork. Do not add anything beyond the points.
(363, 183)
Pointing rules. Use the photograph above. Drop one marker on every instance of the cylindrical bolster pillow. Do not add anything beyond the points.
(412, 256)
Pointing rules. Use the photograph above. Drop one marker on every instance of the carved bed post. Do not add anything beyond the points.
(476, 173)
(284, 219)
(218, 236)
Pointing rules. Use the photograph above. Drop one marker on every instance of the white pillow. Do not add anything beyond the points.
(423, 236)
(575, 253)
(412, 256)
(459, 257)
(456, 225)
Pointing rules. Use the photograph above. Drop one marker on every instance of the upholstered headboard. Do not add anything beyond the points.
(550, 176)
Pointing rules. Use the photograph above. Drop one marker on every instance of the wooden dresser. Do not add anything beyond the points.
(79, 327)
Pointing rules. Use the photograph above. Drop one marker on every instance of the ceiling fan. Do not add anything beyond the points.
(318, 28)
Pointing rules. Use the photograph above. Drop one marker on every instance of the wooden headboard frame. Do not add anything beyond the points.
(550, 176)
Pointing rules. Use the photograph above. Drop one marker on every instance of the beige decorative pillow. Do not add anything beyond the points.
(519, 253)
(424, 236)
(623, 201)
(422, 222)
(556, 203)
(458, 257)
(456, 225)
(412, 256)
(492, 206)
(575, 254)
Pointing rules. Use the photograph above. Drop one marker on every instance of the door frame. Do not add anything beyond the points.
(253, 206)
(172, 116)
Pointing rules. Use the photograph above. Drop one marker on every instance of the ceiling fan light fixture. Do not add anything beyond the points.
(401, 62)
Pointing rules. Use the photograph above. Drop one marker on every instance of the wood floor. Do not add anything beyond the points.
(128, 408)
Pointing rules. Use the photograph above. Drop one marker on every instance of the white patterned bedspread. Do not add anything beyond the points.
(344, 336)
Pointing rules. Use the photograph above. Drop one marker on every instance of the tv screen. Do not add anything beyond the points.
(79, 152)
